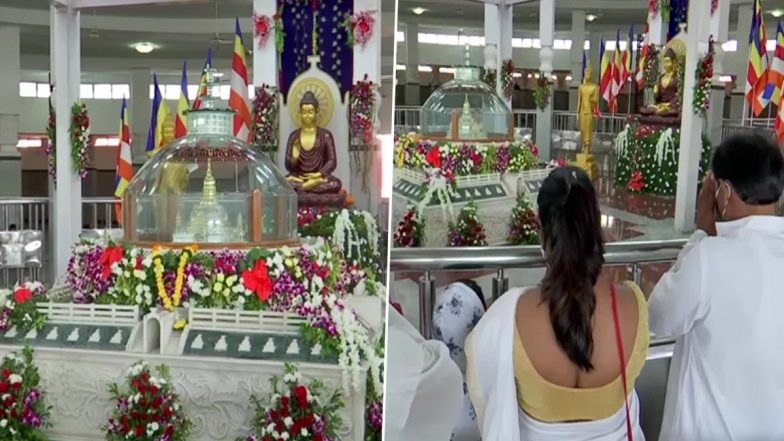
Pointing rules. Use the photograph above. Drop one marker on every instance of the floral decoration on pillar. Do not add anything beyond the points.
(702, 82)
(362, 109)
(266, 108)
(360, 27)
(714, 6)
(263, 25)
(659, 6)
(542, 91)
(507, 78)
(651, 68)
(51, 134)
(80, 138)
(26, 410)
(490, 78)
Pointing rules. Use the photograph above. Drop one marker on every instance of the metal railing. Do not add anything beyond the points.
(99, 213)
(30, 215)
(730, 127)
(499, 259)
(607, 124)
(407, 117)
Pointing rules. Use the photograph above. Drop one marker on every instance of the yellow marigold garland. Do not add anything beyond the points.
(173, 301)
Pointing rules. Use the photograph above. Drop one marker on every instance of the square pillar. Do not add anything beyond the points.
(544, 117)
(578, 49)
(66, 222)
(412, 85)
(139, 108)
(719, 29)
(265, 59)
(10, 72)
(738, 62)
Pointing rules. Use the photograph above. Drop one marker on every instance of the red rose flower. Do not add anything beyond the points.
(364, 27)
(301, 393)
(140, 431)
(258, 280)
(109, 257)
(318, 437)
(23, 295)
(434, 157)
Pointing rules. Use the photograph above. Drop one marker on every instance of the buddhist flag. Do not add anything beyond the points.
(238, 100)
(202, 92)
(180, 124)
(776, 72)
(160, 110)
(616, 75)
(758, 94)
(605, 84)
(626, 59)
(124, 168)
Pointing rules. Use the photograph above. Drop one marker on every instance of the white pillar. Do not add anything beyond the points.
(691, 123)
(741, 58)
(719, 28)
(139, 107)
(505, 32)
(265, 59)
(492, 37)
(67, 202)
(544, 118)
(367, 60)
(412, 85)
(10, 72)
(578, 48)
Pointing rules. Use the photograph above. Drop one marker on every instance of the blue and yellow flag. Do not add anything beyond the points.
(160, 110)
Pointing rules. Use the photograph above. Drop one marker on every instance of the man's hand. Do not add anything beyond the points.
(706, 205)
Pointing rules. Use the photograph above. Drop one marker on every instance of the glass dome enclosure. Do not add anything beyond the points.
(210, 189)
(466, 109)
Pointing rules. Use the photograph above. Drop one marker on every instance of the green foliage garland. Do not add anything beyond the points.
(542, 92)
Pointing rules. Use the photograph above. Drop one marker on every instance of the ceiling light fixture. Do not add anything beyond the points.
(591, 17)
(418, 10)
(778, 13)
(144, 47)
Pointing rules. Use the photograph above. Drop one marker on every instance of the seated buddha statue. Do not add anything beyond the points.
(311, 159)
(666, 93)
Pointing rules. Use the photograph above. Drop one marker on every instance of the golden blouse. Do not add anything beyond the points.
(551, 403)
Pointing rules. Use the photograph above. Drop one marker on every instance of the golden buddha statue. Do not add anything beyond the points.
(311, 159)
(666, 91)
(587, 109)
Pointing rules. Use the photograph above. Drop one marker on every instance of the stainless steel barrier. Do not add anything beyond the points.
(407, 116)
(29, 215)
(429, 260)
(99, 213)
(749, 126)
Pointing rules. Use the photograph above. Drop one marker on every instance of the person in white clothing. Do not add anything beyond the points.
(723, 301)
(424, 392)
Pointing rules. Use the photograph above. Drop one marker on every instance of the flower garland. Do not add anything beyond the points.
(80, 138)
(263, 25)
(25, 411)
(51, 134)
(359, 27)
(362, 110)
(19, 308)
(148, 408)
(265, 118)
(507, 79)
(651, 68)
(169, 302)
(295, 411)
(491, 78)
(653, 8)
(702, 82)
(542, 92)
(524, 226)
(410, 232)
(714, 6)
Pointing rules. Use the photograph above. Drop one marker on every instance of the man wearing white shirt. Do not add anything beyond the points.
(724, 299)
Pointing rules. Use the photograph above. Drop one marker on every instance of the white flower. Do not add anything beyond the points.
(221, 277)
(284, 435)
(15, 378)
(218, 286)
(231, 280)
(288, 421)
(152, 428)
(139, 274)
(3, 423)
(271, 428)
(304, 432)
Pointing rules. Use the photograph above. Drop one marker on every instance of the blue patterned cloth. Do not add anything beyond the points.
(457, 311)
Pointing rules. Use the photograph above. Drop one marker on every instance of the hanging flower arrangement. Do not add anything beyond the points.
(714, 6)
(468, 231)
(51, 134)
(362, 110)
(524, 227)
(542, 91)
(18, 307)
(653, 8)
(148, 408)
(507, 78)
(702, 82)
(490, 78)
(280, 34)
(80, 138)
(295, 411)
(410, 231)
(360, 27)
(265, 118)
(637, 182)
(651, 68)
(25, 412)
(263, 25)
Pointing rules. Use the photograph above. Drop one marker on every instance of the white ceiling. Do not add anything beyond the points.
(183, 31)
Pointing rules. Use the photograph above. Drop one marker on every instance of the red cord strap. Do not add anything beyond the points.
(622, 359)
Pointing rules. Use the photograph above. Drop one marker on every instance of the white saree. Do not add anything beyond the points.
(491, 385)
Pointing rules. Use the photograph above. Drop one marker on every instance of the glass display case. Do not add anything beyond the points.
(210, 189)
(466, 109)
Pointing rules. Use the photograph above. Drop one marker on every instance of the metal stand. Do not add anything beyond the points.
(500, 284)
(427, 295)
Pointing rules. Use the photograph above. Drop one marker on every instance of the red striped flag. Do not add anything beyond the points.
(238, 100)
(124, 168)
(202, 92)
